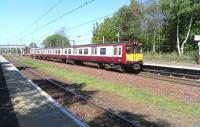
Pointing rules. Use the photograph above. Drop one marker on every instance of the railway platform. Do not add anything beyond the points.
(24, 104)
(194, 67)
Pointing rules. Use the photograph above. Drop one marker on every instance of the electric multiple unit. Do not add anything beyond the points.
(118, 56)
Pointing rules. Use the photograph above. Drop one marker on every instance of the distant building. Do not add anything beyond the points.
(14, 49)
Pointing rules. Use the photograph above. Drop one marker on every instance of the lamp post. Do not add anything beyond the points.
(197, 39)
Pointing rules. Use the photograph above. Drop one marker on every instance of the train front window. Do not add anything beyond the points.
(138, 49)
(129, 49)
(134, 48)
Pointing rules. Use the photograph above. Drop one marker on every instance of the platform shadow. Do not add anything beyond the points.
(20, 68)
(136, 119)
(7, 114)
(65, 95)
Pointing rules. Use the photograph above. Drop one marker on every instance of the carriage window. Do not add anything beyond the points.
(115, 51)
(75, 51)
(102, 51)
(80, 51)
(92, 50)
(58, 51)
(119, 52)
(65, 51)
(69, 51)
(85, 51)
(95, 51)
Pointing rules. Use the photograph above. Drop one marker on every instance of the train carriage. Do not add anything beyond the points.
(118, 56)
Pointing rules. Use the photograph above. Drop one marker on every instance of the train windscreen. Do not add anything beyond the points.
(133, 48)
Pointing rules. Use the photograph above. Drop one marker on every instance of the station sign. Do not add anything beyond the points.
(197, 38)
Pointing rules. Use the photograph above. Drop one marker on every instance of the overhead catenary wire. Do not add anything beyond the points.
(42, 16)
(59, 17)
(82, 35)
(82, 24)
(91, 21)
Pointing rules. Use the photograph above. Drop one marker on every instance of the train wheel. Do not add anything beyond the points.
(101, 65)
(63, 61)
(78, 63)
(122, 69)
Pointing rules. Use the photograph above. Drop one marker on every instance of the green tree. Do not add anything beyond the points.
(106, 32)
(180, 17)
(152, 25)
(33, 45)
(128, 22)
(56, 40)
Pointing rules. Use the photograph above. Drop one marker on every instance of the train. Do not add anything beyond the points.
(117, 56)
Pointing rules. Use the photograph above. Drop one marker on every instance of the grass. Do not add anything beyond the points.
(130, 93)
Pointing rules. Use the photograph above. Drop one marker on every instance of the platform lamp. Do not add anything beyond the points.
(197, 39)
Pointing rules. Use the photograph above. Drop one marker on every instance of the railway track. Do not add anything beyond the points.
(186, 79)
(112, 118)
(165, 75)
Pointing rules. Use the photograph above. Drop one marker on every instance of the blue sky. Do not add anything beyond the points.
(17, 15)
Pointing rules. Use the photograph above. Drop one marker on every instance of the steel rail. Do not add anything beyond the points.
(171, 73)
(170, 78)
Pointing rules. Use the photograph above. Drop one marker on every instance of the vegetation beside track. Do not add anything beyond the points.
(130, 93)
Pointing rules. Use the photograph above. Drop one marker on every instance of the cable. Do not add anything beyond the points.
(79, 25)
(42, 16)
(65, 14)
(87, 22)
(82, 35)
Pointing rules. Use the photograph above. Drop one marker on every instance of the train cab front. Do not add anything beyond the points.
(134, 55)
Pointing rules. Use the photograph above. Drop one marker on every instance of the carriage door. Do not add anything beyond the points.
(93, 53)
(115, 54)
(134, 52)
